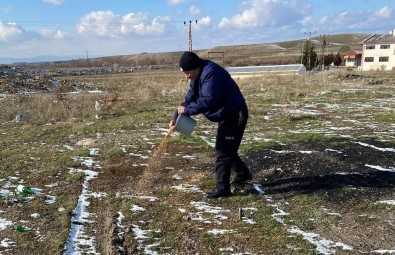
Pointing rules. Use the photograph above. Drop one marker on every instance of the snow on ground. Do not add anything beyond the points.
(380, 168)
(323, 246)
(376, 148)
(79, 242)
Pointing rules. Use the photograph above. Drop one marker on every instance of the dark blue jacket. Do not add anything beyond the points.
(214, 94)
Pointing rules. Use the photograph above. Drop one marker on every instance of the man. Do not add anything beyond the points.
(216, 95)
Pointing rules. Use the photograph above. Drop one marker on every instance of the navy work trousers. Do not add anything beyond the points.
(229, 135)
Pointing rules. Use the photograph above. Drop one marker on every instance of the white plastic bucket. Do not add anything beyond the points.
(185, 124)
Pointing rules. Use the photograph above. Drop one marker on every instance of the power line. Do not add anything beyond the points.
(310, 33)
(323, 48)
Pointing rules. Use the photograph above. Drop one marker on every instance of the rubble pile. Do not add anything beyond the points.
(18, 80)
(365, 79)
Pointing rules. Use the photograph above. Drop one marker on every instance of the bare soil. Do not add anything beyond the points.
(333, 170)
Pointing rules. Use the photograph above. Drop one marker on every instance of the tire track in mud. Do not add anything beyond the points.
(106, 229)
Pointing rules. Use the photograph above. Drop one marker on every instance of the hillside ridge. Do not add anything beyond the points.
(284, 52)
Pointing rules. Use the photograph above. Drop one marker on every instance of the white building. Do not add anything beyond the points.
(378, 52)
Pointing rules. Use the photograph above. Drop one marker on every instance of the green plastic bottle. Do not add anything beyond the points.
(24, 190)
(20, 228)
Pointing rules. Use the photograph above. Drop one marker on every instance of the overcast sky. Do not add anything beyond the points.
(30, 28)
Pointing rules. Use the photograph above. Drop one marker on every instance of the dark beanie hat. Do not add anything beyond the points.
(190, 61)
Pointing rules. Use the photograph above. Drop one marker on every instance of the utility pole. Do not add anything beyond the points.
(310, 33)
(323, 46)
(87, 58)
(308, 50)
(301, 52)
(190, 34)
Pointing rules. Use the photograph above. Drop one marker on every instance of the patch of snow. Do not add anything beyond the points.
(391, 169)
(248, 221)
(98, 194)
(220, 231)
(6, 243)
(388, 202)
(93, 152)
(136, 208)
(384, 251)
(79, 242)
(376, 148)
(323, 246)
(4, 223)
(187, 188)
(140, 235)
(226, 249)
(279, 214)
(208, 208)
(5, 193)
(35, 215)
(50, 200)
(197, 217)
(120, 219)
(341, 128)
(187, 156)
(331, 150)
(149, 198)
(281, 152)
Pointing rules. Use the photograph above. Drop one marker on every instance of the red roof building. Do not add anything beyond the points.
(352, 58)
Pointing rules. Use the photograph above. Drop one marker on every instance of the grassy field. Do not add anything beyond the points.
(321, 148)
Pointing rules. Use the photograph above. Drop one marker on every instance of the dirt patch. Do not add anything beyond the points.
(341, 173)
(334, 171)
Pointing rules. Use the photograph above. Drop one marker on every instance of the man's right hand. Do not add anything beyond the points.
(172, 123)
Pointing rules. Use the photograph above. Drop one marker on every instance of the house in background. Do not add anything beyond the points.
(352, 58)
(378, 52)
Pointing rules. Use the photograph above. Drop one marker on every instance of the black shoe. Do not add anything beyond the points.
(218, 194)
(241, 180)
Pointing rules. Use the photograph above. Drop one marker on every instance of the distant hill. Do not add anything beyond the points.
(286, 52)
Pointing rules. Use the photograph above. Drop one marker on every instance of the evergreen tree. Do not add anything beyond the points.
(328, 59)
(309, 57)
(337, 61)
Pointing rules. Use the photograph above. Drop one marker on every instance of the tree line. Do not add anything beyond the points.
(311, 60)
